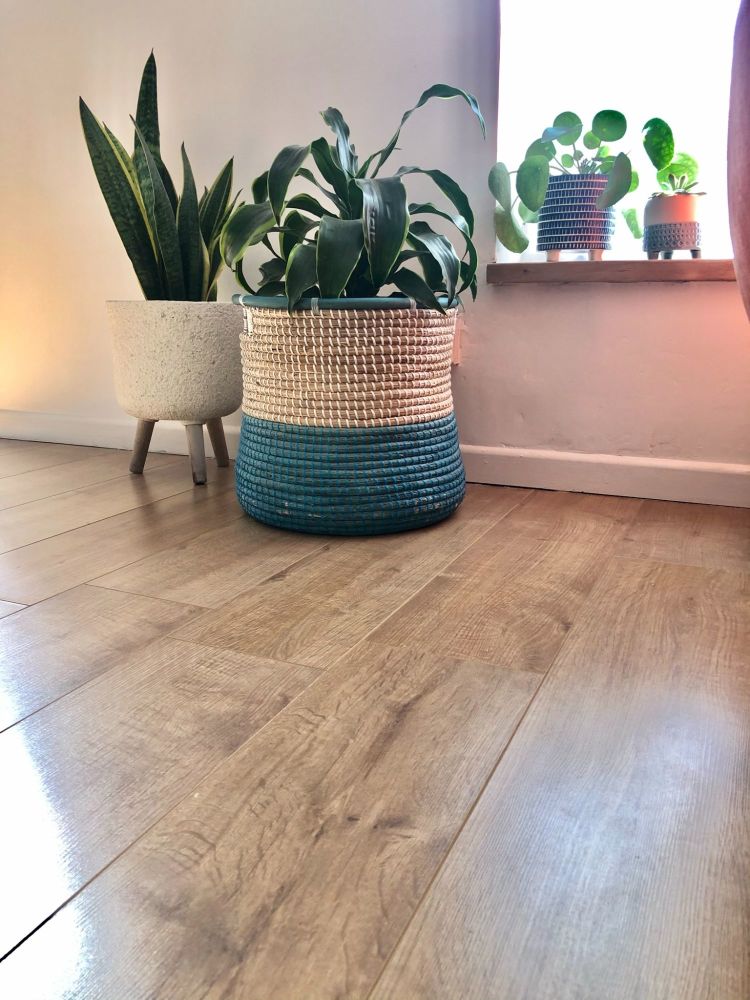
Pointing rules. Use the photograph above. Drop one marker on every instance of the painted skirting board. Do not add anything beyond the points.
(169, 436)
(654, 478)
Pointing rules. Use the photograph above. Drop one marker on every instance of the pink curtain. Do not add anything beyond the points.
(738, 152)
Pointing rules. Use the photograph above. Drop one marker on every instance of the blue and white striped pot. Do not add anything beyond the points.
(569, 218)
(348, 425)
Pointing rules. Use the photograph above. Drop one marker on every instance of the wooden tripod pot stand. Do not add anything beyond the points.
(196, 447)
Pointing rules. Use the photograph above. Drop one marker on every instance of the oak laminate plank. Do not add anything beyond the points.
(48, 567)
(608, 856)
(52, 648)
(86, 776)
(691, 534)
(14, 461)
(317, 609)
(293, 869)
(42, 483)
(512, 597)
(6, 608)
(216, 566)
(31, 522)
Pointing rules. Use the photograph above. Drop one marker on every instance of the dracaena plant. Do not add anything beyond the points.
(353, 232)
(557, 149)
(172, 240)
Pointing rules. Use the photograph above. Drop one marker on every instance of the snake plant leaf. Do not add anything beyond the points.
(306, 203)
(296, 227)
(532, 180)
(347, 157)
(117, 183)
(499, 184)
(410, 283)
(165, 226)
(330, 170)
(658, 142)
(421, 234)
(259, 188)
(509, 232)
(246, 226)
(195, 264)
(301, 273)
(468, 273)
(680, 164)
(618, 182)
(634, 224)
(609, 125)
(338, 249)
(385, 222)
(572, 127)
(443, 92)
(214, 207)
(449, 188)
(147, 120)
(284, 167)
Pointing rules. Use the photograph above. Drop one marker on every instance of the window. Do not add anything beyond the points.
(645, 58)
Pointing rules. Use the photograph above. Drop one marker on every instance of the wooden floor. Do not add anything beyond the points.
(504, 758)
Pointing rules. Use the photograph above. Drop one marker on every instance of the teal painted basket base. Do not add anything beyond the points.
(349, 481)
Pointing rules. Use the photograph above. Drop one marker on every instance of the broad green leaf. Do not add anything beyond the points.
(567, 160)
(165, 226)
(449, 188)
(294, 230)
(410, 283)
(284, 167)
(658, 142)
(467, 273)
(238, 273)
(301, 273)
(330, 169)
(339, 246)
(307, 203)
(347, 157)
(420, 233)
(215, 205)
(340, 204)
(385, 222)
(526, 214)
(246, 226)
(609, 125)
(591, 141)
(631, 217)
(439, 90)
(618, 182)
(354, 198)
(572, 127)
(147, 120)
(499, 184)
(272, 288)
(466, 283)
(192, 247)
(509, 232)
(259, 188)
(531, 182)
(273, 269)
(681, 164)
(541, 148)
(117, 182)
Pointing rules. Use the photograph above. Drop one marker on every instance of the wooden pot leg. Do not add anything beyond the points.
(218, 441)
(695, 254)
(553, 256)
(595, 254)
(197, 451)
(143, 433)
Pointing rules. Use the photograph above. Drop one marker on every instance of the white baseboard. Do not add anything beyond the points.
(652, 478)
(60, 428)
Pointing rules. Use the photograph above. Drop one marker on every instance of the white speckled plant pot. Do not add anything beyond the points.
(176, 360)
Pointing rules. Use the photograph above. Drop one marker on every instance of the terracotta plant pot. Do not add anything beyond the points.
(671, 222)
(177, 361)
(569, 218)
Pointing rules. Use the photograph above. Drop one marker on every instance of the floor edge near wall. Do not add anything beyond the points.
(719, 483)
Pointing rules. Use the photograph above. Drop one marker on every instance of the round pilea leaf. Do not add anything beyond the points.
(609, 125)
(532, 180)
(591, 141)
(658, 142)
(681, 164)
(541, 148)
(526, 214)
(634, 181)
(573, 127)
(567, 160)
(499, 184)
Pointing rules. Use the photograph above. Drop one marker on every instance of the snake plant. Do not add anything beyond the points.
(353, 232)
(172, 240)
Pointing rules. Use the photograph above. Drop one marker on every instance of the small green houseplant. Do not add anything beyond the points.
(348, 423)
(671, 217)
(175, 358)
(568, 182)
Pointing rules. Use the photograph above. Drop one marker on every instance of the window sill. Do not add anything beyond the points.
(598, 271)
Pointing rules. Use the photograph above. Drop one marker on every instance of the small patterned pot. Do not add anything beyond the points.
(569, 218)
(671, 223)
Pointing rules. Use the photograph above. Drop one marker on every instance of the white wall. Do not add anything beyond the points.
(660, 372)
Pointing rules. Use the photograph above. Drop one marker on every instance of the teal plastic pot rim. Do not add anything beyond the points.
(317, 305)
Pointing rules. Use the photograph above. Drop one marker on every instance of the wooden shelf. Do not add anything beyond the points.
(580, 271)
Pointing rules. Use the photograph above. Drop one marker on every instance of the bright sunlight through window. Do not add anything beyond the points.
(647, 59)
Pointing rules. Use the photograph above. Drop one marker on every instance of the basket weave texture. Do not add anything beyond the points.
(348, 424)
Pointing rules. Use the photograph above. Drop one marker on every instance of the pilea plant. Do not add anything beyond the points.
(172, 240)
(364, 233)
(557, 149)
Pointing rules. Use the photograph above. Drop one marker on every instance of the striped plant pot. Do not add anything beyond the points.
(348, 425)
(569, 218)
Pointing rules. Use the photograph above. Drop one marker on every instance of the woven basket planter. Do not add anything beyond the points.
(348, 425)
